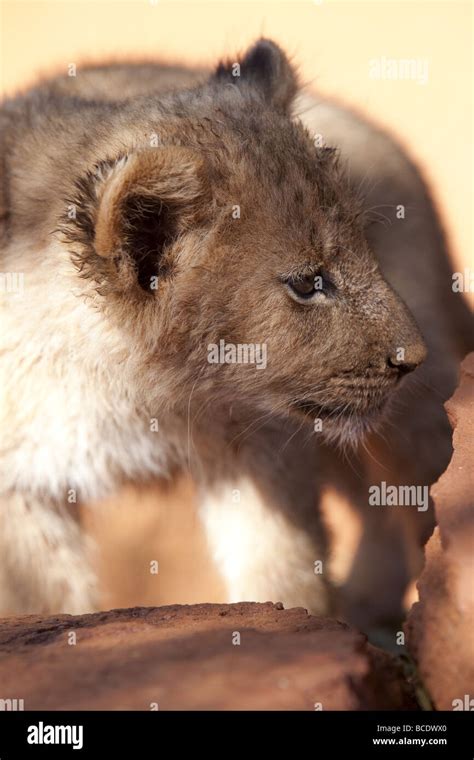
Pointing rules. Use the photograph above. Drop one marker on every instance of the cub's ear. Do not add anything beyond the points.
(264, 68)
(130, 211)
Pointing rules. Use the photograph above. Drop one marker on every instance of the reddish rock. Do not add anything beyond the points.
(186, 657)
(440, 627)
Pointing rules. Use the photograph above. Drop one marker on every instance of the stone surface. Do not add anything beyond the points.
(440, 627)
(186, 657)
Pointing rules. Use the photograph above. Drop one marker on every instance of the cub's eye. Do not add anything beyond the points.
(309, 288)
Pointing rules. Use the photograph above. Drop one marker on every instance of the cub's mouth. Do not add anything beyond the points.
(323, 411)
(342, 413)
(344, 422)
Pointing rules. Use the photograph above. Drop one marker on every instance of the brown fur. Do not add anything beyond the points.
(106, 199)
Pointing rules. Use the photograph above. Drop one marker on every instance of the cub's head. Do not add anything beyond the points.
(229, 253)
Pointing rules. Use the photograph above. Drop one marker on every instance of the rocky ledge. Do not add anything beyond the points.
(440, 627)
(206, 656)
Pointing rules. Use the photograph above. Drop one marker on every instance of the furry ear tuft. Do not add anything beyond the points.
(144, 195)
(132, 209)
(266, 69)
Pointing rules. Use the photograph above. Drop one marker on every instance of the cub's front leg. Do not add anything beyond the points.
(263, 525)
(44, 559)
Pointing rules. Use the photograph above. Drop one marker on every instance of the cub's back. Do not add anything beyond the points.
(122, 81)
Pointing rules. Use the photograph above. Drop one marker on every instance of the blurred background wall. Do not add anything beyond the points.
(333, 43)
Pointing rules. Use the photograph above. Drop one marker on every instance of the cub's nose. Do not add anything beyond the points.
(405, 360)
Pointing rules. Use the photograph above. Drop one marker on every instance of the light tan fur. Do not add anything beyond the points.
(91, 357)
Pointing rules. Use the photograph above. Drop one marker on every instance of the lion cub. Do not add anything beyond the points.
(188, 283)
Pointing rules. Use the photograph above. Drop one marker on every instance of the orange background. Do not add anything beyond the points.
(332, 42)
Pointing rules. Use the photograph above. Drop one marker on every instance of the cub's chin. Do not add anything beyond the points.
(344, 425)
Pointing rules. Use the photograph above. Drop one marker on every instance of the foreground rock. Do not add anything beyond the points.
(440, 627)
(188, 657)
